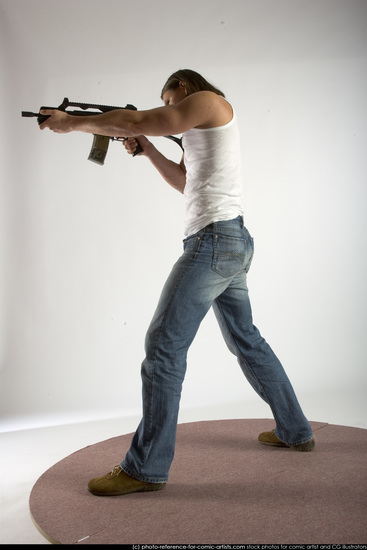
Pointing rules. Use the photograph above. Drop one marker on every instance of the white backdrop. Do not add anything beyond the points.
(86, 249)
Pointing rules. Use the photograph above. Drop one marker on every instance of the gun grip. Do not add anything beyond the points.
(138, 150)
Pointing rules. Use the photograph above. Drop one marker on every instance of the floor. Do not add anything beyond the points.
(27, 454)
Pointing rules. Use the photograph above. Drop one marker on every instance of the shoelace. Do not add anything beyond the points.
(115, 472)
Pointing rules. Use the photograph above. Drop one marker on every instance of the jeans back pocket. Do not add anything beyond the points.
(231, 254)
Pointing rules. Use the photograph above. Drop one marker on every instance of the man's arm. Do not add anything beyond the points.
(201, 109)
(173, 173)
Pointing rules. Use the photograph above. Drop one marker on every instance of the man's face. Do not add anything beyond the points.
(172, 97)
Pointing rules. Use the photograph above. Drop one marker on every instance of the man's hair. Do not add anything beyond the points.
(193, 81)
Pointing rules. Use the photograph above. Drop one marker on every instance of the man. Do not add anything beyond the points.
(211, 272)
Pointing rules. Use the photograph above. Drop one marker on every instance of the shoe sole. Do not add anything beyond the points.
(302, 448)
(145, 489)
(305, 447)
(283, 445)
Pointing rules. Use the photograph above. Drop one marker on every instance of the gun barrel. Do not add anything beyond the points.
(29, 114)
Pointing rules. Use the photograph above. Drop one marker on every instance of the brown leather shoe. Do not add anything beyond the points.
(118, 482)
(269, 438)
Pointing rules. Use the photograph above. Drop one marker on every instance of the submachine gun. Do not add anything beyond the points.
(100, 144)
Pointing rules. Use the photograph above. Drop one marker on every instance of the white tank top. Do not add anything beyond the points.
(214, 185)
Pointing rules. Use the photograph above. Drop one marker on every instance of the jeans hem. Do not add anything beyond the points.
(145, 479)
(300, 442)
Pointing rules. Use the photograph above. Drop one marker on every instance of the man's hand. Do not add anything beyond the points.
(131, 144)
(58, 121)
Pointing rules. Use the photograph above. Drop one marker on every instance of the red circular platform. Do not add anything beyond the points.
(225, 488)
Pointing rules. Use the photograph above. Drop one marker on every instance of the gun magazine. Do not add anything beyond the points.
(99, 149)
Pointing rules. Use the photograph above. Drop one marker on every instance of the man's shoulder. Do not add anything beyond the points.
(205, 96)
(219, 111)
(200, 110)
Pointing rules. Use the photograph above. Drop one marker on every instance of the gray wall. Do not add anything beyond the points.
(86, 249)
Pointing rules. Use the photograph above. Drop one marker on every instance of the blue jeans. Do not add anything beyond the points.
(210, 273)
